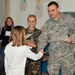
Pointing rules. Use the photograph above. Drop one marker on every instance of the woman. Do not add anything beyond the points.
(32, 67)
(5, 33)
(6, 30)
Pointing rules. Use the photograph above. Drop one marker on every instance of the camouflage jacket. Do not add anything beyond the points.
(57, 30)
(34, 36)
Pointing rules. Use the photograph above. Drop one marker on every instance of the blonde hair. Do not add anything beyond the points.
(18, 36)
(30, 16)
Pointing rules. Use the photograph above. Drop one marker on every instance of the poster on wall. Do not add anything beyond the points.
(39, 8)
(45, 0)
(23, 5)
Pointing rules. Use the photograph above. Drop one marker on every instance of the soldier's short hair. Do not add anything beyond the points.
(53, 3)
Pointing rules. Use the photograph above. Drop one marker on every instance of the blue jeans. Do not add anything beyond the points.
(2, 59)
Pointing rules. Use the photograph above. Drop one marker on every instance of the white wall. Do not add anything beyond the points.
(20, 17)
(68, 5)
(1, 11)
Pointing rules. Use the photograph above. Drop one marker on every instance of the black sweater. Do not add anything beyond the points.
(5, 39)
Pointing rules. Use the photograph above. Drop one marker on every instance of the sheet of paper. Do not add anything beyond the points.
(7, 33)
(28, 35)
(23, 5)
(39, 9)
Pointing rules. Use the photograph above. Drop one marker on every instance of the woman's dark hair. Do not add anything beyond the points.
(53, 3)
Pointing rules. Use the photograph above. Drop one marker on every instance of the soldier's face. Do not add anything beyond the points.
(31, 22)
(53, 11)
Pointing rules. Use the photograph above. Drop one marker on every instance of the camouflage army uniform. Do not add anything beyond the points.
(60, 53)
(33, 66)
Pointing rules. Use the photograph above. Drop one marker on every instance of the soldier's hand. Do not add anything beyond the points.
(68, 40)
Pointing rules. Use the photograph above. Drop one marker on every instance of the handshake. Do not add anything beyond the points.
(45, 55)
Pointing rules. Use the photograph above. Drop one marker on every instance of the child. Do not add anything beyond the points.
(16, 52)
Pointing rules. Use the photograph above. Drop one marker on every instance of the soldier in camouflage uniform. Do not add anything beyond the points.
(32, 66)
(59, 32)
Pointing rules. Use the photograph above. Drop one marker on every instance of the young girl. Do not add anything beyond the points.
(16, 52)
